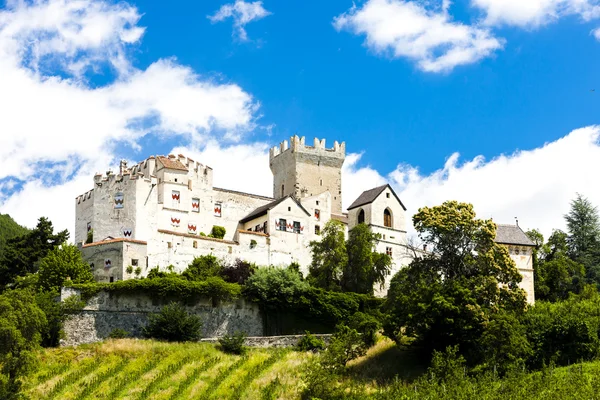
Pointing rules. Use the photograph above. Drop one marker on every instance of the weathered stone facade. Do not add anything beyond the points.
(129, 311)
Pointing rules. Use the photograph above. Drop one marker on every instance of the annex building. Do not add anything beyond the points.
(160, 212)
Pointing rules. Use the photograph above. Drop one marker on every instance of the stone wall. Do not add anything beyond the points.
(274, 341)
(129, 311)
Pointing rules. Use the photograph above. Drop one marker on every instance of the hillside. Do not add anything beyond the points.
(9, 229)
(140, 369)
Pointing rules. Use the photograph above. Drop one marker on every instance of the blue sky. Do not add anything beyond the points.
(486, 101)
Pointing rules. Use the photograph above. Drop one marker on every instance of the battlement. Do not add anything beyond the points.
(297, 144)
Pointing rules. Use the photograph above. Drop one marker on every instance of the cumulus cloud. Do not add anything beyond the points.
(428, 36)
(242, 13)
(533, 13)
(58, 129)
(534, 185)
(596, 33)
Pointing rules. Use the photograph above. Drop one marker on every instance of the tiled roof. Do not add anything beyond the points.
(368, 196)
(512, 234)
(342, 218)
(107, 241)
(262, 210)
(172, 163)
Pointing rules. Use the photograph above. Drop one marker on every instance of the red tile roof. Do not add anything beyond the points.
(172, 163)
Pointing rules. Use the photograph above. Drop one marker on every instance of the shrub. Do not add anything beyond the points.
(217, 232)
(271, 285)
(90, 237)
(239, 272)
(233, 344)
(129, 269)
(346, 344)
(138, 271)
(367, 325)
(252, 243)
(118, 333)
(310, 342)
(173, 324)
(203, 267)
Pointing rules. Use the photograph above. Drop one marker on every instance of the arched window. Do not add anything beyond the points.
(361, 216)
(387, 218)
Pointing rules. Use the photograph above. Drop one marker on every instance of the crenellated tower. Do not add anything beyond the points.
(301, 171)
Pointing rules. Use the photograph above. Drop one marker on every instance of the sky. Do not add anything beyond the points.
(492, 102)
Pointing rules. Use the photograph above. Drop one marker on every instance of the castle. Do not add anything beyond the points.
(159, 212)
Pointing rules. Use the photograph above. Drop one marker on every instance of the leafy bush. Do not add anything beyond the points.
(173, 324)
(233, 344)
(118, 333)
(270, 285)
(367, 325)
(203, 267)
(129, 269)
(310, 342)
(217, 232)
(90, 237)
(60, 264)
(138, 271)
(170, 286)
(346, 344)
(239, 272)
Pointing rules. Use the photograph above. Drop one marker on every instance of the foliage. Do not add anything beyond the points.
(157, 273)
(566, 331)
(557, 278)
(203, 267)
(217, 232)
(329, 257)
(118, 333)
(584, 227)
(138, 271)
(129, 269)
(367, 325)
(173, 324)
(310, 342)
(170, 286)
(271, 285)
(21, 322)
(90, 237)
(346, 344)
(233, 344)
(239, 272)
(446, 366)
(22, 253)
(62, 263)
(448, 296)
(365, 267)
(9, 229)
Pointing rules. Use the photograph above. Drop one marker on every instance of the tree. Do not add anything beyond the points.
(21, 322)
(174, 324)
(329, 257)
(61, 263)
(203, 267)
(584, 226)
(8, 230)
(447, 296)
(559, 277)
(22, 253)
(365, 267)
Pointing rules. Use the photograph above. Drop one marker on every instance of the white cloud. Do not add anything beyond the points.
(57, 129)
(596, 33)
(242, 13)
(533, 13)
(428, 36)
(536, 185)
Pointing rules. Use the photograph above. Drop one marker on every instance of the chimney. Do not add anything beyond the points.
(123, 167)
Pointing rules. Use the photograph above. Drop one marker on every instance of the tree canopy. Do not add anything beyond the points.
(61, 263)
(448, 296)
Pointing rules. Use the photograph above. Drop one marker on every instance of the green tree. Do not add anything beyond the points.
(203, 267)
(61, 263)
(9, 229)
(365, 267)
(329, 257)
(21, 322)
(173, 324)
(559, 277)
(584, 226)
(447, 297)
(22, 254)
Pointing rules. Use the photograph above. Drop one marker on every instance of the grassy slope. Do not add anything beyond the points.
(138, 369)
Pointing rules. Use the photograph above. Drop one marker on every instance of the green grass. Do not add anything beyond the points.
(143, 369)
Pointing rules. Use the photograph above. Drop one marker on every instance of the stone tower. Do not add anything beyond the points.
(302, 171)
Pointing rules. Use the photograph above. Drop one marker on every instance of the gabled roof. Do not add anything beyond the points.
(368, 196)
(262, 210)
(512, 234)
(172, 163)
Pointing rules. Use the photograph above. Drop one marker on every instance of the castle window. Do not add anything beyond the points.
(387, 218)
(175, 179)
(296, 227)
(169, 245)
(388, 251)
(176, 197)
(282, 224)
(134, 262)
(361, 216)
(318, 214)
(317, 230)
(257, 228)
(282, 190)
(195, 244)
(289, 208)
(317, 202)
(112, 279)
(387, 195)
(321, 181)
